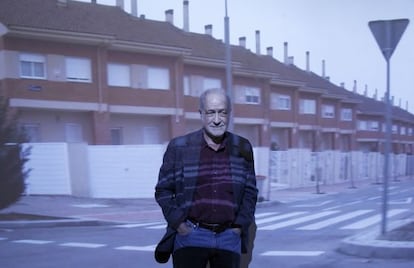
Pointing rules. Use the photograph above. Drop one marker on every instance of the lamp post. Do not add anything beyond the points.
(387, 33)
(229, 81)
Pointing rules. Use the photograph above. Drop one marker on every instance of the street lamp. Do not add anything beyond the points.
(387, 33)
(229, 81)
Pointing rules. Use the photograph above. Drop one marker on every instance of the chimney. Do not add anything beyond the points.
(208, 29)
(392, 100)
(366, 90)
(307, 62)
(342, 85)
(285, 45)
(269, 51)
(169, 16)
(134, 7)
(376, 94)
(399, 102)
(354, 89)
(242, 41)
(406, 105)
(62, 3)
(257, 42)
(186, 16)
(323, 69)
(93, 1)
(120, 4)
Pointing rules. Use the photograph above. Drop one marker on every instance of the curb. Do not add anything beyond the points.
(53, 223)
(367, 245)
(74, 222)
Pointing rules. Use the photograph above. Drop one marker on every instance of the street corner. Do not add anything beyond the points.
(373, 245)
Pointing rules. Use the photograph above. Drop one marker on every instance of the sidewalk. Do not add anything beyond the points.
(87, 210)
(76, 211)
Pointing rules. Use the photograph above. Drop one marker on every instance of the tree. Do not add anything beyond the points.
(12, 156)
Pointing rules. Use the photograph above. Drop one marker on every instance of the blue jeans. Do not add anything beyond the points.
(202, 246)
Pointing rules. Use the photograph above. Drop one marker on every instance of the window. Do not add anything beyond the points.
(158, 78)
(78, 69)
(252, 95)
(73, 132)
(328, 111)
(280, 102)
(410, 131)
(209, 83)
(373, 125)
(362, 125)
(186, 85)
(32, 66)
(394, 129)
(402, 131)
(245, 94)
(32, 131)
(116, 136)
(346, 114)
(368, 125)
(307, 106)
(194, 85)
(119, 75)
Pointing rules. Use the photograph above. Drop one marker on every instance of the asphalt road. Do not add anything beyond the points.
(297, 234)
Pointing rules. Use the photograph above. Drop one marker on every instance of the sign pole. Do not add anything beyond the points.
(387, 33)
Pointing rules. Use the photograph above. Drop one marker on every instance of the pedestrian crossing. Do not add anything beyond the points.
(303, 220)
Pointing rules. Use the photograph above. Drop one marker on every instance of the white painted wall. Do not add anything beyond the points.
(49, 167)
(131, 171)
(124, 171)
(298, 167)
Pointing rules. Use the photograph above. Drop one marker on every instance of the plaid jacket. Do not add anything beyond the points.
(178, 179)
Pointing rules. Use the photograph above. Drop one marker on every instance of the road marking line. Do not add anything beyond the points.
(265, 214)
(89, 205)
(29, 241)
(82, 245)
(372, 220)
(344, 205)
(293, 253)
(407, 200)
(299, 220)
(136, 248)
(325, 223)
(162, 226)
(280, 217)
(133, 225)
(314, 205)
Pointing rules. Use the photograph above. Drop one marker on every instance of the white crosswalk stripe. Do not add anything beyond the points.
(134, 225)
(372, 220)
(265, 214)
(331, 221)
(299, 220)
(82, 245)
(303, 220)
(279, 217)
(158, 226)
(137, 248)
(31, 241)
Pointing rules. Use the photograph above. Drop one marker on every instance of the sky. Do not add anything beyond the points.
(334, 31)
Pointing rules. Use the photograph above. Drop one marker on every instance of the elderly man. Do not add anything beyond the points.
(207, 191)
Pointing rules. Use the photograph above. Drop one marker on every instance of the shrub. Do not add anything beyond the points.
(12, 156)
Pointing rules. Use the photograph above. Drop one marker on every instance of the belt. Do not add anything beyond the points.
(214, 227)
